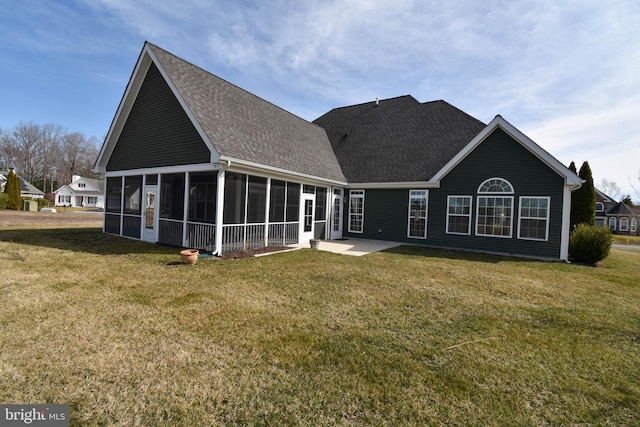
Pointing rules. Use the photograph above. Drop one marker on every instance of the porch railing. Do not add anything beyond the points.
(201, 236)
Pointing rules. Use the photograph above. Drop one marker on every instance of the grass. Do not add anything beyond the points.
(626, 240)
(126, 335)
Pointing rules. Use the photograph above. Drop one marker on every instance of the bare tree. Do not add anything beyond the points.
(52, 135)
(77, 155)
(22, 147)
(610, 188)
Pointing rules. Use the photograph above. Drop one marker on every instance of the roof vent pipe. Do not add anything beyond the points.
(377, 101)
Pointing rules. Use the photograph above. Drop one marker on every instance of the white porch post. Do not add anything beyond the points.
(266, 215)
(185, 213)
(219, 209)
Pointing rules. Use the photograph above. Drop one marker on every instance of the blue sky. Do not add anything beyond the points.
(566, 73)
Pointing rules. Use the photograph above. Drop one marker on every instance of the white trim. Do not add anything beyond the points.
(391, 185)
(200, 167)
(243, 166)
(547, 219)
(613, 220)
(468, 233)
(571, 179)
(359, 194)
(426, 213)
(566, 223)
(495, 178)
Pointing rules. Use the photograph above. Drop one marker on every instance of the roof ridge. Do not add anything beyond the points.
(229, 83)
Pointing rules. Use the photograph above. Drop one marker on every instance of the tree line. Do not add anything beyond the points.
(47, 155)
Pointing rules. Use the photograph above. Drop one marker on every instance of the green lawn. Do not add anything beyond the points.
(126, 335)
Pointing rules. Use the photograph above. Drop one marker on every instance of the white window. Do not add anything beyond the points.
(612, 223)
(534, 218)
(417, 226)
(82, 185)
(494, 214)
(624, 224)
(64, 199)
(356, 211)
(459, 215)
(634, 225)
(599, 207)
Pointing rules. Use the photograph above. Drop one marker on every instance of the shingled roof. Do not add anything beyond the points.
(397, 139)
(242, 126)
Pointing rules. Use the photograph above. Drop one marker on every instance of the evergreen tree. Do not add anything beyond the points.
(12, 188)
(583, 200)
(572, 216)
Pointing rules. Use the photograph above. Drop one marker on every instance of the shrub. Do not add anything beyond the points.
(42, 203)
(4, 200)
(589, 244)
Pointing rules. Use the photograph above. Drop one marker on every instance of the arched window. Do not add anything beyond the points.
(612, 223)
(634, 225)
(494, 209)
(496, 185)
(599, 207)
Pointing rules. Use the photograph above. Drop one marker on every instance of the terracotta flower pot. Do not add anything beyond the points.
(189, 256)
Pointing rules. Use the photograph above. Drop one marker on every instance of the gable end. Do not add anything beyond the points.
(157, 132)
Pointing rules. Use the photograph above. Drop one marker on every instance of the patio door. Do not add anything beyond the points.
(150, 214)
(306, 225)
(336, 214)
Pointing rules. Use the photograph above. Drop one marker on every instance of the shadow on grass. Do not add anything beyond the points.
(88, 240)
(422, 251)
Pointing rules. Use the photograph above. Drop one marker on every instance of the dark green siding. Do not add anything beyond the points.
(499, 156)
(386, 211)
(158, 132)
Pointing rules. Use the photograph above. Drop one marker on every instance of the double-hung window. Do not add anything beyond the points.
(534, 218)
(417, 227)
(494, 211)
(624, 224)
(356, 211)
(459, 215)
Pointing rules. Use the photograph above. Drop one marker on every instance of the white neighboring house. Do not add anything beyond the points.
(82, 192)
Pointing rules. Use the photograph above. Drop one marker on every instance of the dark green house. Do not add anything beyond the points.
(192, 160)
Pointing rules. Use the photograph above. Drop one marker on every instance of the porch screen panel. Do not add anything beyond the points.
(112, 223)
(114, 194)
(277, 201)
(234, 198)
(133, 195)
(131, 226)
(170, 226)
(202, 197)
(257, 200)
(320, 214)
(293, 202)
(172, 196)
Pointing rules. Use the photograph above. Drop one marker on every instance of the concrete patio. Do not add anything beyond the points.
(353, 247)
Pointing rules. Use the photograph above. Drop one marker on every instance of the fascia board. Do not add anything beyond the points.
(393, 185)
(238, 165)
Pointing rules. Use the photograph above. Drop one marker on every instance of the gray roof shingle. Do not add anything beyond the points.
(243, 126)
(397, 139)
